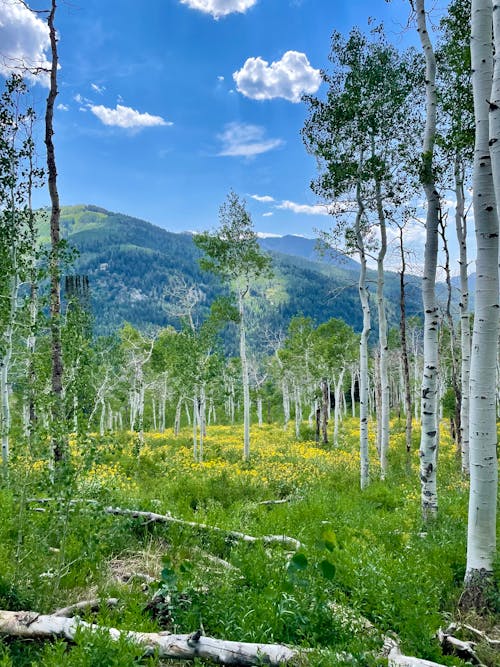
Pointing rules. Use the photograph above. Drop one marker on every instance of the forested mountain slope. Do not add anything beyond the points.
(130, 263)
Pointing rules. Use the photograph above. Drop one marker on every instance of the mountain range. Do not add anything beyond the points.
(130, 264)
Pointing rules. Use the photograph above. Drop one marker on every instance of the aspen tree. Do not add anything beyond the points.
(233, 253)
(429, 397)
(481, 536)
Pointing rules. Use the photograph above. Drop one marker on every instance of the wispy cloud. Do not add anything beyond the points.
(24, 41)
(98, 89)
(288, 78)
(242, 140)
(314, 209)
(262, 198)
(62, 107)
(268, 214)
(218, 8)
(126, 117)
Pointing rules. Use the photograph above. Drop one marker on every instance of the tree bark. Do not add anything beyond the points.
(404, 354)
(465, 337)
(58, 437)
(429, 410)
(30, 625)
(481, 537)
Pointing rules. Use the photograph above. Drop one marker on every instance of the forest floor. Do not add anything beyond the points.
(363, 555)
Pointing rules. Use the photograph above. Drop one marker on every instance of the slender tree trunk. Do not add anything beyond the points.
(324, 411)
(286, 403)
(338, 407)
(383, 416)
(429, 417)
(455, 383)
(404, 353)
(465, 337)
(177, 418)
(244, 378)
(481, 537)
(298, 410)
(58, 436)
(259, 410)
(363, 346)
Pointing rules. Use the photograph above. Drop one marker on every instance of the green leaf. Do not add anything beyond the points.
(298, 563)
(327, 569)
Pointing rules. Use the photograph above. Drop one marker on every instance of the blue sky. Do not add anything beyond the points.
(165, 105)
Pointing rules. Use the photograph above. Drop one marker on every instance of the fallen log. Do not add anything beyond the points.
(30, 625)
(397, 659)
(152, 517)
(85, 605)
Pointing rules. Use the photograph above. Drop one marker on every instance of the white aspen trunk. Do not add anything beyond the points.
(5, 366)
(286, 403)
(311, 415)
(465, 337)
(298, 410)
(133, 407)
(336, 415)
(244, 378)
(324, 410)
(481, 537)
(354, 375)
(328, 400)
(344, 404)
(377, 398)
(195, 427)
(110, 417)
(103, 415)
(363, 348)
(140, 411)
(384, 415)
(75, 413)
(188, 414)
(163, 403)
(177, 418)
(153, 409)
(429, 432)
(120, 420)
(259, 410)
(202, 418)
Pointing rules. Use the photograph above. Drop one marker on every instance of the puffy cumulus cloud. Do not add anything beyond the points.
(242, 140)
(126, 117)
(289, 78)
(24, 41)
(218, 8)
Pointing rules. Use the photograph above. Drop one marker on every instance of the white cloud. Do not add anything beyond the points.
(62, 107)
(126, 117)
(289, 78)
(269, 235)
(262, 198)
(98, 89)
(315, 209)
(218, 8)
(24, 41)
(268, 214)
(220, 78)
(241, 140)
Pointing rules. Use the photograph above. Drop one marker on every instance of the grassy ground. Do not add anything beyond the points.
(366, 553)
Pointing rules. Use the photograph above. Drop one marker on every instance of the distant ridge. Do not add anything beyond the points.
(301, 246)
(130, 263)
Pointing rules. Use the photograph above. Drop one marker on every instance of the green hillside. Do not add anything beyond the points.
(129, 263)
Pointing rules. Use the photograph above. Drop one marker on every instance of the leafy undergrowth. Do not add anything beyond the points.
(365, 554)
